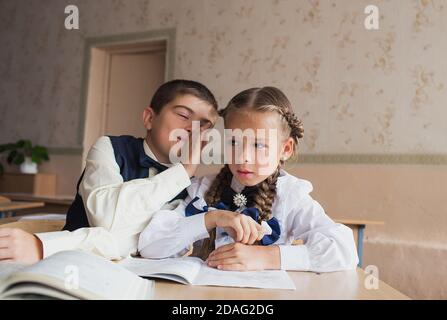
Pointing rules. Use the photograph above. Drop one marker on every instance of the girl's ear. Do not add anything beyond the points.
(148, 117)
(287, 149)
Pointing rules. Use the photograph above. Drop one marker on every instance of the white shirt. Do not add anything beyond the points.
(328, 246)
(117, 211)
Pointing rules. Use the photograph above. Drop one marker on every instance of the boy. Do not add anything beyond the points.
(126, 179)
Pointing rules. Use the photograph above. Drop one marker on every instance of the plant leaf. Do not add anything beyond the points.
(20, 143)
(19, 159)
(27, 145)
(11, 156)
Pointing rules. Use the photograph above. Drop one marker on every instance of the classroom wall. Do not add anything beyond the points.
(369, 96)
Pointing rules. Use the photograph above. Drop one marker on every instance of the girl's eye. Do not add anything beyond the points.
(234, 142)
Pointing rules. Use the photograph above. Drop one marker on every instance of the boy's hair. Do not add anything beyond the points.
(267, 99)
(172, 89)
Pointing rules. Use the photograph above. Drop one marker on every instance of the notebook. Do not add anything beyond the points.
(194, 271)
(72, 275)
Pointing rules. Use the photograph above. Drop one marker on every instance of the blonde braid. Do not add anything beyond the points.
(265, 196)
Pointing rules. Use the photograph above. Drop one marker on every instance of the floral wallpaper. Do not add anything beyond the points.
(357, 90)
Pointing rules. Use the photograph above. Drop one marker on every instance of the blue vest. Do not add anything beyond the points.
(133, 163)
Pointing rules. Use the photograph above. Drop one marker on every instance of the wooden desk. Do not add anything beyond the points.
(6, 207)
(53, 204)
(358, 226)
(334, 285)
(344, 285)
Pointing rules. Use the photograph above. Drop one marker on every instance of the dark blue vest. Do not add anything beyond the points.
(133, 163)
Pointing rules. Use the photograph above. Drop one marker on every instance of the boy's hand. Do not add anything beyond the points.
(241, 257)
(195, 149)
(20, 246)
(240, 227)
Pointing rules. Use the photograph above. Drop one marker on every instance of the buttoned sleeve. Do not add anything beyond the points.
(328, 246)
(116, 205)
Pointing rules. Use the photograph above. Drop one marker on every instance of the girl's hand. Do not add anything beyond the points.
(20, 246)
(240, 227)
(241, 257)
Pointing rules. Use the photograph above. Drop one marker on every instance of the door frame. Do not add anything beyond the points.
(168, 35)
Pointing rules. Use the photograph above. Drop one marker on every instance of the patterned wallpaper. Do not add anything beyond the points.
(358, 91)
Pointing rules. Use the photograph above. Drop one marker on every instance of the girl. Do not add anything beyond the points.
(250, 215)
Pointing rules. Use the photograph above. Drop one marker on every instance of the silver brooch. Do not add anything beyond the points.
(239, 200)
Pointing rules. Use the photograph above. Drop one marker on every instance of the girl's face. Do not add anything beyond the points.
(255, 157)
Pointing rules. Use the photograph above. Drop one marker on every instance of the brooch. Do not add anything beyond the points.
(240, 200)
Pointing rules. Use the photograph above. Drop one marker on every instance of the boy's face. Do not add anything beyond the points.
(177, 114)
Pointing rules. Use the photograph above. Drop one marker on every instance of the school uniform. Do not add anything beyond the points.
(123, 184)
(327, 246)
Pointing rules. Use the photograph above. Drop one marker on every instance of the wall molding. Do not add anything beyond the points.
(415, 159)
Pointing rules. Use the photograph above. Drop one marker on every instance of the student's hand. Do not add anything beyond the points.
(20, 246)
(195, 149)
(242, 257)
(240, 227)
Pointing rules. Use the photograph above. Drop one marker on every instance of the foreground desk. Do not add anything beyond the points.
(344, 285)
(334, 285)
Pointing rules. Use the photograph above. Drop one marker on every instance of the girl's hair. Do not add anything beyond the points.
(267, 99)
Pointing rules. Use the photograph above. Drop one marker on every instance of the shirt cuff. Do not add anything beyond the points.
(294, 257)
(176, 179)
(53, 242)
(193, 228)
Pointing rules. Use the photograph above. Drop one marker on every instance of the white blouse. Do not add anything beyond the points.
(328, 246)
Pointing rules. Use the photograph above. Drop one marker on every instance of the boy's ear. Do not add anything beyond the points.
(148, 117)
(287, 150)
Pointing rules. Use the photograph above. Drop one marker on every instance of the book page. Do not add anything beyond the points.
(268, 279)
(86, 276)
(183, 270)
(194, 271)
(8, 268)
(35, 291)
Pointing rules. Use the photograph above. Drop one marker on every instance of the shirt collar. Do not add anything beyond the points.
(149, 153)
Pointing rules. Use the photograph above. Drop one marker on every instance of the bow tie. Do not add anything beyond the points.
(251, 212)
(147, 162)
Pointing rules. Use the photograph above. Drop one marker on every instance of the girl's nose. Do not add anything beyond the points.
(247, 154)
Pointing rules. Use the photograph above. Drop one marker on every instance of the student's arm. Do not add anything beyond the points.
(116, 205)
(170, 233)
(116, 210)
(328, 246)
(94, 240)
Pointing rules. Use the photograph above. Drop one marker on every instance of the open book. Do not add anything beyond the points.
(72, 275)
(194, 271)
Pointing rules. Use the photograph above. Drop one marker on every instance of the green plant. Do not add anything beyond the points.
(20, 150)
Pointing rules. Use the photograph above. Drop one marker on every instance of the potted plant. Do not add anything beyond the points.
(25, 155)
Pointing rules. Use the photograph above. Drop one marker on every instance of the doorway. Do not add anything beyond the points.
(122, 79)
